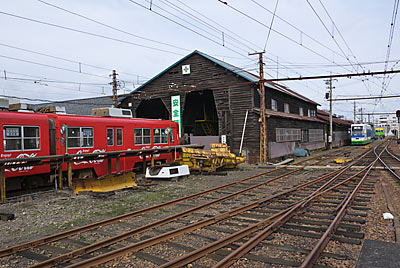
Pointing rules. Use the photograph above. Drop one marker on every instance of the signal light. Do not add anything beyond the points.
(398, 113)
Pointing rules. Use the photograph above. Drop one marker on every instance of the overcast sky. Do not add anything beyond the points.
(139, 43)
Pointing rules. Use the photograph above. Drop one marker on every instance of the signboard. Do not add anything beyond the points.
(186, 69)
(176, 111)
(223, 139)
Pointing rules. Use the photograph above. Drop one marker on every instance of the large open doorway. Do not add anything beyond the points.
(200, 114)
(152, 109)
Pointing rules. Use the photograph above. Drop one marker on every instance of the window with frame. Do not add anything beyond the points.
(119, 137)
(313, 114)
(304, 135)
(21, 138)
(286, 108)
(159, 136)
(110, 137)
(301, 111)
(142, 136)
(315, 135)
(274, 105)
(288, 134)
(87, 137)
(80, 137)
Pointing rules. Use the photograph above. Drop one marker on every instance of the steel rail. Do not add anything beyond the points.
(196, 254)
(58, 236)
(251, 243)
(115, 239)
(392, 155)
(55, 237)
(313, 256)
(101, 244)
(163, 237)
(387, 166)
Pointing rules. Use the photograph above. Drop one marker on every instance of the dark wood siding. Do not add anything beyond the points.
(231, 102)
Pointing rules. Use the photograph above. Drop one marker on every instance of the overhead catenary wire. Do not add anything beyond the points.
(52, 66)
(219, 86)
(111, 27)
(220, 25)
(89, 33)
(43, 84)
(279, 33)
(270, 26)
(65, 59)
(297, 29)
(186, 27)
(175, 7)
(334, 40)
(391, 33)
(75, 101)
(340, 34)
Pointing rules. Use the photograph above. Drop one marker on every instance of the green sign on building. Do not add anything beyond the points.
(176, 111)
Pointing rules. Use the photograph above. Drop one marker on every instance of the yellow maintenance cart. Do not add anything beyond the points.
(218, 157)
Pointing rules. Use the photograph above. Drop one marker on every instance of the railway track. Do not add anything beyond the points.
(223, 210)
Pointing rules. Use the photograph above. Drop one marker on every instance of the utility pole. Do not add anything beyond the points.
(114, 84)
(355, 113)
(330, 137)
(263, 126)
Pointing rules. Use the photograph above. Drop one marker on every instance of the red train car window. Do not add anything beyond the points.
(21, 138)
(110, 137)
(80, 137)
(119, 136)
(74, 137)
(142, 136)
(159, 136)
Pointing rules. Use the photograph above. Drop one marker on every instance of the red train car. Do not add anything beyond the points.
(32, 135)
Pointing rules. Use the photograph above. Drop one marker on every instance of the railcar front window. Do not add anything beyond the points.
(357, 131)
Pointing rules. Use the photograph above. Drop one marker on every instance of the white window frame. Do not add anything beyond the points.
(286, 108)
(142, 136)
(161, 134)
(274, 105)
(81, 138)
(122, 136)
(301, 111)
(22, 138)
(112, 137)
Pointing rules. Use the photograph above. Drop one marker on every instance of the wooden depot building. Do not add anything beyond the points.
(213, 97)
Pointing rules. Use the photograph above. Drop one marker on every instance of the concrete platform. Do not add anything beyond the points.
(378, 254)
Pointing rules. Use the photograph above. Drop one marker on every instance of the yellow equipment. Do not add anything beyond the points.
(342, 160)
(106, 183)
(219, 156)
